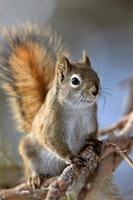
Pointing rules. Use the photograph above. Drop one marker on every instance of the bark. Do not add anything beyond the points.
(97, 160)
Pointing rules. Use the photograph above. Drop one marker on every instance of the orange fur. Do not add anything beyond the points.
(30, 71)
(32, 81)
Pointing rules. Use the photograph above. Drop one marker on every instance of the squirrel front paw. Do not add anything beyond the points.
(76, 159)
(79, 161)
(69, 159)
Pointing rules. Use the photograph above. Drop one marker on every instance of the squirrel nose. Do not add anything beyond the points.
(94, 90)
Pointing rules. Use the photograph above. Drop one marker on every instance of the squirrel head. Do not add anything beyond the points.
(77, 83)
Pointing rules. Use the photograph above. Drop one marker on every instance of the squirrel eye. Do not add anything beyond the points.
(75, 80)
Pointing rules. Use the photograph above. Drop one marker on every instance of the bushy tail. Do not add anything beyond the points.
(27, 63)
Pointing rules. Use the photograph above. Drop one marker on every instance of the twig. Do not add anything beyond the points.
(114, 148)
(24, 191)
(117, 126)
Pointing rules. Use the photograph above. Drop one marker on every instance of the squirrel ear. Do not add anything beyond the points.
(63, 66)
(85, 58)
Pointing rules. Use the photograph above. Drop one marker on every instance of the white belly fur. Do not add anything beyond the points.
(81, 124)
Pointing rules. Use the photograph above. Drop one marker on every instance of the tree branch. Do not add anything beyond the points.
(58, 187)
(123, 126)
(90, 157)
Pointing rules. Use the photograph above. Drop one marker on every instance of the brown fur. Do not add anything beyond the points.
(30, 70)
(60, 115)
(62, 125)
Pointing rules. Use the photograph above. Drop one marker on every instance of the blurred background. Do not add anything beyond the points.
(105, 29)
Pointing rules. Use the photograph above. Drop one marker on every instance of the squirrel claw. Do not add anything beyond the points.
(79, 161)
